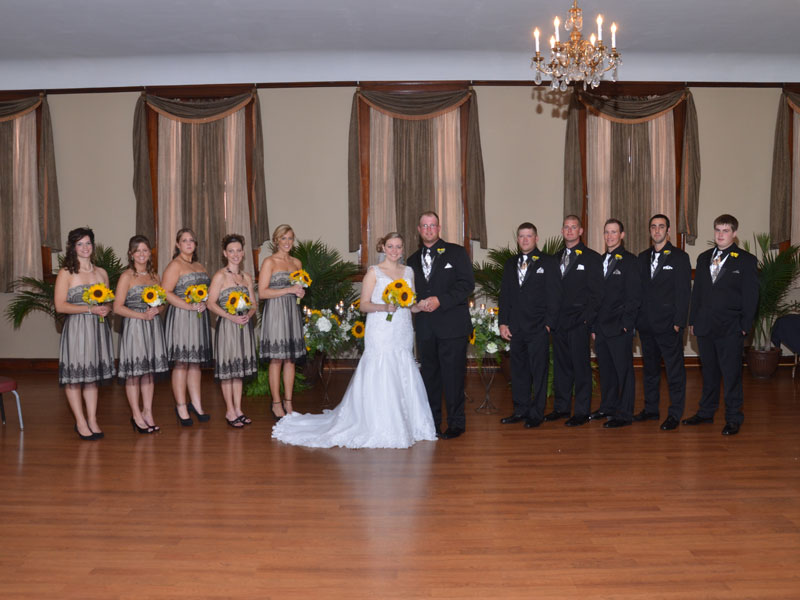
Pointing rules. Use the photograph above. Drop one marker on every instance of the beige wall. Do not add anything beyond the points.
(305, 137)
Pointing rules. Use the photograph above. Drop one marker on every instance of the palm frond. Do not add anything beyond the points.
(331, 275)
(31, 295)
(489, 273)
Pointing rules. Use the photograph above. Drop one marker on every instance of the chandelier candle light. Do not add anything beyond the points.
(577, 59)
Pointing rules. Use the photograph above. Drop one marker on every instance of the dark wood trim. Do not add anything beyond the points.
(679, 121)
(152, 150)
(464, 129)
(364, 171)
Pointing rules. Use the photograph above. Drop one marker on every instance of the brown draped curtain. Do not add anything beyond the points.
(199, 164)
(30, 223)
(405, 142)
(785, 192)
(637, 159)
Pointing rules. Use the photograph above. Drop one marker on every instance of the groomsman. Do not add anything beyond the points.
(444, 281)
(581, 273)
(613, 329)
(528, 311)
(666, 286)
(723, 306)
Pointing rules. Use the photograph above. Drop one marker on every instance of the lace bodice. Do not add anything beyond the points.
(383, 335)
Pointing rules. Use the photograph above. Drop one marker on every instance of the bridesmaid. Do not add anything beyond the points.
(235, 357)
(86, 354)
(142, 347)
(188, 337)
(282, 340)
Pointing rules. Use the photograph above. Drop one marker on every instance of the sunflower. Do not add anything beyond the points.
(231, 303)
(98, 293)
(405, 298)
(188, 295)
(335, 318)
(472, 338)
(149, 295)
(357, 304)
(200, 292)
(317, 312)
(398, 284)
(385, 295)
(358, 330)
(246, 299)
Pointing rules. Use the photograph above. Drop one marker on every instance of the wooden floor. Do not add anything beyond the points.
(503, 512)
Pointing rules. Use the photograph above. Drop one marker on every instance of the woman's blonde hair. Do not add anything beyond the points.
(389, 236)
(279, 232)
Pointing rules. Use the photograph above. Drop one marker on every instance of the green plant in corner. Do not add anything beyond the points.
(38, 295)
(777, 271)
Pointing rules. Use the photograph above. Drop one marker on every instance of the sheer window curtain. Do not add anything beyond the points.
(29, 206)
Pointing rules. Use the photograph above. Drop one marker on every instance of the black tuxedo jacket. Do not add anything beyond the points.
(533, 305)
(581, 288)
(451, 281)
(727, 306)
(622, 294)
(665, 297)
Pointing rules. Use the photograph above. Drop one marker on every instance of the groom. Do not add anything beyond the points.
(444, 280)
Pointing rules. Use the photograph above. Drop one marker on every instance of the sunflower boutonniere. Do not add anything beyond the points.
(534, 258)
(735, 254)
(440, 250)
(667, 252)
(578, 252)
(618, 256)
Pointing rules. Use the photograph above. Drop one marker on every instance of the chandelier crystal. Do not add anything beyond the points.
(577, 59)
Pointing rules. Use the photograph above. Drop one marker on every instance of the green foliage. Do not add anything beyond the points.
(331, 275)
(489, 274)
(38, 295)
(777, 271)
(260, 385)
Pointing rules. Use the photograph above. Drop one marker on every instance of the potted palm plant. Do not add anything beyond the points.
(777, 271)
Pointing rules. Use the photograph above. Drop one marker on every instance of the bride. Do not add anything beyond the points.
(385, 405)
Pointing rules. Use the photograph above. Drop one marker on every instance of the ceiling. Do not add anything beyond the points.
(52, 44)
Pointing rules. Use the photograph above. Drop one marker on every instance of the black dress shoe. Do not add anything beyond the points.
(512, 419)
(555, 416)
(697, 420)
(599, 414)
(530, 422)
(615, 423)
(452, 432)
(730, 429)
(575, 420)
(669, 423)
(645, 416)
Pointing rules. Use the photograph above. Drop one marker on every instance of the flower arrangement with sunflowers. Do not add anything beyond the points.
(326, 331)
(97, 294)
(399, 293)
(485, 338)
(195, 294)
(154, 296)
(301, 278)
(238, 303)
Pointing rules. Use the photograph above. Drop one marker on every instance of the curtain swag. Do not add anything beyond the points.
(197, 112)
(780, 201)
(415, 107)
(49, 205)
(630, 111)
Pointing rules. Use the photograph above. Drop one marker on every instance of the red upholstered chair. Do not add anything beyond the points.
(9, 385)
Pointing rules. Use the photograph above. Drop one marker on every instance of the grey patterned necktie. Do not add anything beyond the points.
(654, 263)
(565, 260)
(715, 265)
(605, 264)
(427, 263)
(522, 267)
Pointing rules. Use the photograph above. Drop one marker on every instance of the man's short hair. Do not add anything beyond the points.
(573, 218)
(429, 213)
(617, 222)
(727, 220)
(658, 216)
(527, 225)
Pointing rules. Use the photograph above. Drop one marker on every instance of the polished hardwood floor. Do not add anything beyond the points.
(502, 512)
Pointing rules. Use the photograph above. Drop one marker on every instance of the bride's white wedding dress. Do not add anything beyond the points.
(385, 405)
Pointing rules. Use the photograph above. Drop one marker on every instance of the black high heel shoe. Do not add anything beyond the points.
(86, 438)
(183, 422)
(147, 429)
(202, 417)
(274, 416)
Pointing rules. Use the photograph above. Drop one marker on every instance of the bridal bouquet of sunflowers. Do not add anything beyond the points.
(98, 294)
(301, 278)
(195, 294)
(238, 303)
(154, 296)
(398, 293)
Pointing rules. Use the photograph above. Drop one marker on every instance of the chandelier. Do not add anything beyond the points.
(577, 59)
